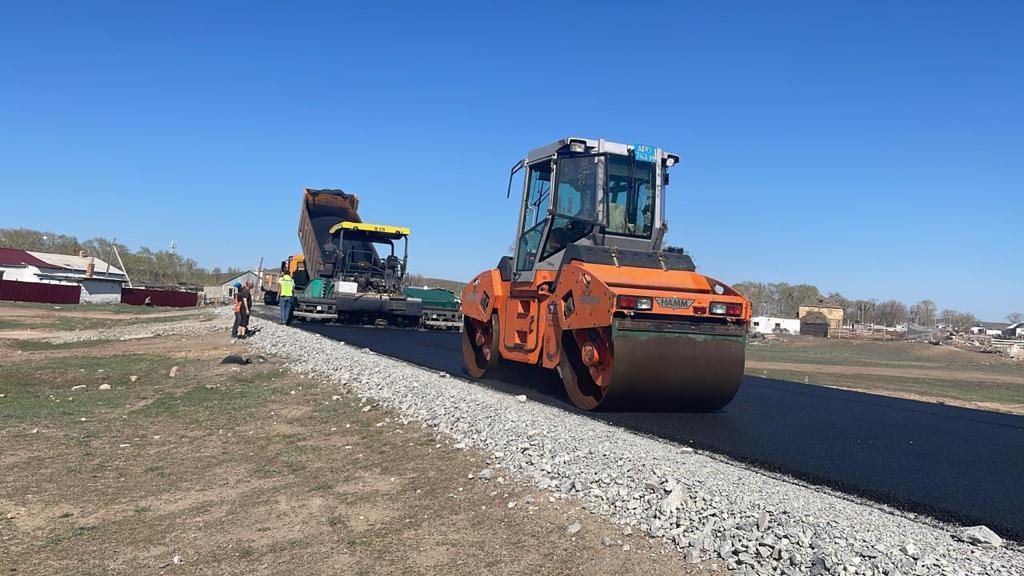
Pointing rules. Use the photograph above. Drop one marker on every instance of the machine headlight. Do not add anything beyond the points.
(718, 308)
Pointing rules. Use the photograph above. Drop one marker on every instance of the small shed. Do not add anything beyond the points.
(832, 313)
(814, 324)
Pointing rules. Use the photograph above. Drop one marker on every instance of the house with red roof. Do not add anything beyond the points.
(100, 281)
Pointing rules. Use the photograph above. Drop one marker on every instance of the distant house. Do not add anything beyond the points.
(226, 290)
(1015, 330)
(815, 323)
(100, 281)
(772, 325)
(833, 313)
(988, 328)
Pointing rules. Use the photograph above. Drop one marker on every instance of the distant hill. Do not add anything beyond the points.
(419, 280)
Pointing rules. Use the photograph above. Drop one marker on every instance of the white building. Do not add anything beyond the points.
(988, 328)
(225, 292)
(1015, 330)
(100, 281)
(772, 325)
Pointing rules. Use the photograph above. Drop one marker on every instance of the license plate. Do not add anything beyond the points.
(643, 153)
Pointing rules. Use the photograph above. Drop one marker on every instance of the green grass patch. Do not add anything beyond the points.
(70, 322)
(40, 391)
(286, 545)
(113, 308)
(323, 486)
(960, 390)
(220, 404)
(11, 325)
(62, 537)
(42, 345)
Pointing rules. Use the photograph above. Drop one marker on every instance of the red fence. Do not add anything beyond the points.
(174, 298)
(38, 292)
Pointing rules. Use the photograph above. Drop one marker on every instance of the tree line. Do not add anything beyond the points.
(784, 300)
(144, 266)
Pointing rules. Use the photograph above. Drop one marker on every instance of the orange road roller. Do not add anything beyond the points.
(590, 292)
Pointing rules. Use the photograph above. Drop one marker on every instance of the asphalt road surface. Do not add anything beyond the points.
(955, 464)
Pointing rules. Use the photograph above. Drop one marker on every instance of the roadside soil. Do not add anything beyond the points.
(50, 311)
(21, 321)
(255, 470)
(915, 371)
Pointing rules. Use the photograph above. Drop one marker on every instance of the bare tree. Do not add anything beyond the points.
(862, 310)
(1015, 317)
(923, 313)
(891, 312)
(957, 320)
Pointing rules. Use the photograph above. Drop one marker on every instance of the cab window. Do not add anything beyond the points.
(535, 213)
(575, 201)
(630, 194)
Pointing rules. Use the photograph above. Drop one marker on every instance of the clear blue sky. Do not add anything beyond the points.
(871, 148)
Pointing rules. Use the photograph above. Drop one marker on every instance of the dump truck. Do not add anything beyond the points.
(349, 280)
(295, 266)
(591, 292)
(440, 308)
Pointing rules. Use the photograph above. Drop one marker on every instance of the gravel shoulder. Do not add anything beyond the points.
(707, 509)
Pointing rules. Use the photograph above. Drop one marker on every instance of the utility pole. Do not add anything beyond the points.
(123, 269)
(259, 276)
(109, 254)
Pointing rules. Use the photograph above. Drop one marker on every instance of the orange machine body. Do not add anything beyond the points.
(533, 314)
(591, 291)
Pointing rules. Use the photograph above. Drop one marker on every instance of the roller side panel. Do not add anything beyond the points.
(483, 295)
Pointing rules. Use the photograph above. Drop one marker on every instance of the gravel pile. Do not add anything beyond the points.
(706, 508)
(214, 322)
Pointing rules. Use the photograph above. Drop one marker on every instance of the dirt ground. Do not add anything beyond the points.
(254, 470)
(916, 371)
(31, 321)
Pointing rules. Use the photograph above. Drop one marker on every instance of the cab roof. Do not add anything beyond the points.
(381, 230)
(593, 145)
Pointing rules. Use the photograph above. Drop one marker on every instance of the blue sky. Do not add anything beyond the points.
(871, 148)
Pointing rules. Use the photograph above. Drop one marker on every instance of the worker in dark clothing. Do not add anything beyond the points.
(240, 306)
(246, 293)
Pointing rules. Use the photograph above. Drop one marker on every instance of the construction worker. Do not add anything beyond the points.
(287, 297)
(241, 313)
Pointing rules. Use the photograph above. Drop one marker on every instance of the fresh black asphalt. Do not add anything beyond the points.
(955, 464)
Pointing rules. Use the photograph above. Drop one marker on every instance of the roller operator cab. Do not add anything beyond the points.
(590, 292)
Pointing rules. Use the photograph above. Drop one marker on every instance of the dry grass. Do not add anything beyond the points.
(909, 370)
(253, 470)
